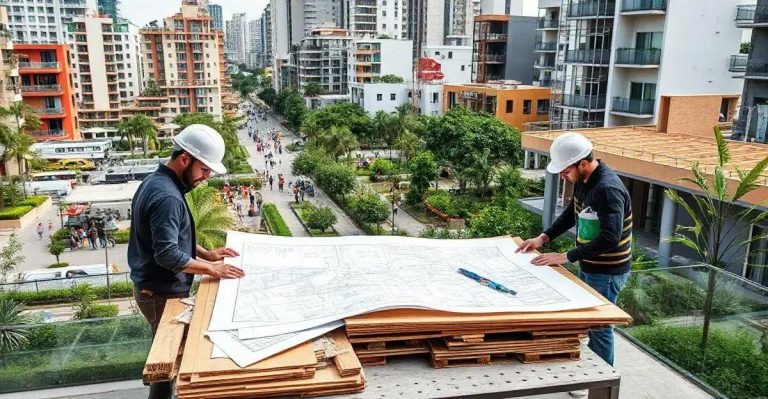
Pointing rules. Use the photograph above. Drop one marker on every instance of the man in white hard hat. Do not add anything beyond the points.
(162, 250)
(601, 210)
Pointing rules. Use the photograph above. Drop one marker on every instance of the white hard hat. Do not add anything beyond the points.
(566, 150)
(204, 144)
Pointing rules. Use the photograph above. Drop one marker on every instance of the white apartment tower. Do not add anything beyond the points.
(609, 61)
(375, 18)
(255, 39)
(323, 58)
(107, 65)
(45, 22)
(238, 37)
(437, 22)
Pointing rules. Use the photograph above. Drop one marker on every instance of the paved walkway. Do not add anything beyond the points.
(344, 225)
(404, 221)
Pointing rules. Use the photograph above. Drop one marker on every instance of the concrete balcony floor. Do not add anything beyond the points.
(642, 377)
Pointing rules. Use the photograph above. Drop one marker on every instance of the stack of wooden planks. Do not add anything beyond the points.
(292, 372)
(165, 353)
(451, 340)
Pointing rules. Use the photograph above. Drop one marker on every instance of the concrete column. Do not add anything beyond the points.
(527, 160)
(666, 230)
(650, 210)
(550, 199)
(536, 158)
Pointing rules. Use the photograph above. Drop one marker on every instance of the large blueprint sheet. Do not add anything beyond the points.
(292, 284)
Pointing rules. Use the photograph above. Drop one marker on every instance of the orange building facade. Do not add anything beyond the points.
(47, 86)
(514, 104)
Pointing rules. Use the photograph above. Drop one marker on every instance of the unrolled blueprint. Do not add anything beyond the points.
(293, 284)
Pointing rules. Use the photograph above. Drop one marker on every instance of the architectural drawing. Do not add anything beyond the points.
(292, 284)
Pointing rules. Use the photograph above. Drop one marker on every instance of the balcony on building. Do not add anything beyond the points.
(592, 9)
(756, 71)
(589, 103)
(543, 82)
(545, 24)
(632, 107)
(547, 63)
(40, 66)
(588, 56)
(545, 47)
(641, 7)
(751, 16)
(41, 89)
(41, 134)
(738, 63)
(44, 113)
(638, 58)
(492, 58)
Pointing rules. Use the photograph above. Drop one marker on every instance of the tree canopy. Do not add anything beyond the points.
(340, 114)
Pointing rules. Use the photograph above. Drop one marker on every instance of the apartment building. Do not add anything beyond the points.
(322, 58)
(608, 61)
(455, 61)
(374, 18)
(503, 48)
(369, 60)
(652, 159)
(436, 22)
(237, 37)
(266, 32)
(186, 57)
(256, 42)
(110, 8)
(106, 59)
(37, 22)
(10, 87)
(753, 69)
(216, 12)
(47, 85)
(513, 103)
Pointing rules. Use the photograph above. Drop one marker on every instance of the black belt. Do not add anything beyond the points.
(150, 294)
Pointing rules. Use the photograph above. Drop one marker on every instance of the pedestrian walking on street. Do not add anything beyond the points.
(40, 231)
(162, 252)
(271, 180)
(50, 226)
(296, 193)
(93, 235)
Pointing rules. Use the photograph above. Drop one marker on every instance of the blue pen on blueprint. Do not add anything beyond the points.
(486, 282)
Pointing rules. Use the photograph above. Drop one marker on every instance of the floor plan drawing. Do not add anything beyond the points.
(293, 284)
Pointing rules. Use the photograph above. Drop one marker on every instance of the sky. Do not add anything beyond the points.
(142, 11)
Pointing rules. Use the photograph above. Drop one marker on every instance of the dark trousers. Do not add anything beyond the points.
(151, 307)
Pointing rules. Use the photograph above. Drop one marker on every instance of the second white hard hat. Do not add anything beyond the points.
(204, 144)
(566, 150)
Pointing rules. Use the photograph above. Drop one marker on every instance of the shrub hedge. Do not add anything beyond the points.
(33, 200)
(45, 297)
(15, 212)
(218, 182)
(275, 221)
(58, 265)
(121, 236)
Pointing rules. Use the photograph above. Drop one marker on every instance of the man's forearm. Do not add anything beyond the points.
(201, 252)
(198, 267)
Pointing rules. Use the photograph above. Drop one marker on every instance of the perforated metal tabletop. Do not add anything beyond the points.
(416, 379)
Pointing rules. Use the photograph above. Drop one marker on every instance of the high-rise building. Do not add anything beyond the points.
(31, 21)
(10, 88)
(370, 59)
(503, 48)
(215, 11)
(186, 58)
(107, 66)
(374, 18)
(613, 60)
(753, 68)
(266, 34)
(46, 86)
(437, 22)
(256, 41)
(322, 59)
(237, 38)
(110, 7)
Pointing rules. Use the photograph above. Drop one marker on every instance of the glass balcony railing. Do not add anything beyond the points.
(757, 70)
(49, 111)
(77, 353)
(542, 46)
(591, 9)
(631, 56)
(747, 15)
(41, 88)
(643, 5)
(738, 63)
(585, 102)
(632, 106)
(38, 65)
(48, 133)
(544, 23)
(668, 307)
(588, 56)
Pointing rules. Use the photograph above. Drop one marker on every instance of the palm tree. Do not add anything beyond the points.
(409, 145)
(211, 216)
(138, 126)
(18, 145)
(313, 90)
(13, 336)
(711, 236)
(337, 141)
(6, 135)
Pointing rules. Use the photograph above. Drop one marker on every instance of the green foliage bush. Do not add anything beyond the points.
(58, 265)
(423, 170)
(335, 178)
(33, 200)
(731, 363)
(120, 289)
(367, 208)
(441, 233)
(218, 183)
(443, 202)
(15, 212)
(122, 236)
(309, 161)
(96, 311)
(275, 221)
(61, 234)
(320, 218)
(381, 167)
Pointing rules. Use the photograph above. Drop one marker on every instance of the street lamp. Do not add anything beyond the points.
(392, 191)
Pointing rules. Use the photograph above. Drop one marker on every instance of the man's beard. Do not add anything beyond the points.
(188, 179)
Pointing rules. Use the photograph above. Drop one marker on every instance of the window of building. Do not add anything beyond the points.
(437, 53)
(435, 98)
(462, 68)
(383, 26)
(542, 107)
(527, 107)
(393, 97)
(510, 106)
(450, 54)
(378, 97)
(756, 268)
(384, 13)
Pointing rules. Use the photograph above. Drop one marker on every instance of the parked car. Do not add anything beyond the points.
(72, 164)
(65, 272)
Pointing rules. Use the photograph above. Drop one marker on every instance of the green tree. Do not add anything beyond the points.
(321, 218)
(710, 233)
(141, 127)
(21, 118)
(84, 297)
(309, 160)
(212, 217)
(382, 167)
(386, 127)
(391, 78)
(294, 109)
(423, 171)
(151, 89)
(336, 141)
(510, 183)
(56, 248)
(336, 178)
(342, 114)
(505, 218)
(367, 207)
(20, 147)
(313, 90)
(408, 144)
(10, 256)
(13, 334)
(268, 95)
